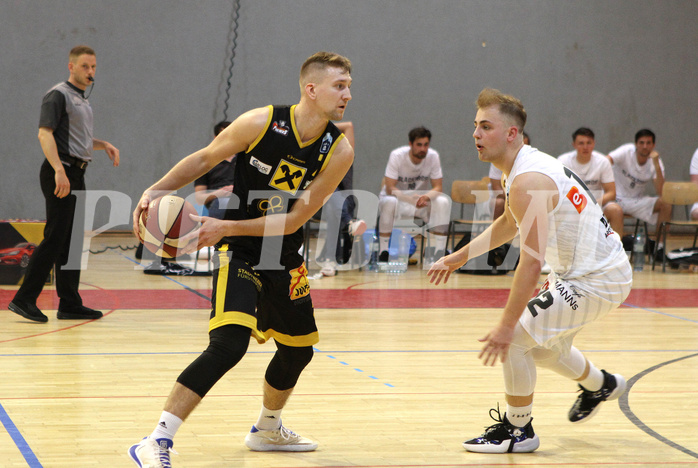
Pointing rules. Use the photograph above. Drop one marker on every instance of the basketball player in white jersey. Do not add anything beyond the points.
(597, 173)
(558, 221)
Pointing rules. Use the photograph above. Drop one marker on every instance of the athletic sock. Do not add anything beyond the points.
(167, 427)
(268, 420)
(594, 381)
(383, 244)
(519, 416)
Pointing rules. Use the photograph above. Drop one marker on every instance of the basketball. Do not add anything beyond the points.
(164, 223)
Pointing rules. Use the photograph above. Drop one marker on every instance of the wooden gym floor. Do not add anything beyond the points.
(395, 381)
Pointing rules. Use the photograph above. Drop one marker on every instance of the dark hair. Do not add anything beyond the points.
(419, 132)
(220, 126)
(583, 131)
(643, 133)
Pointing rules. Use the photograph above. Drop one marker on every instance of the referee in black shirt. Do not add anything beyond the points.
(65, 133)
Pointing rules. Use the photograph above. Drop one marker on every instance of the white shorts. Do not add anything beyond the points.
(694, 210)
(640, 208)
(563, 307)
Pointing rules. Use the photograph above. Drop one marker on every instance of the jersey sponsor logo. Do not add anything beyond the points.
(326, 143)
(577, 198)
(607, 227)
(287, 177)
(568, 296)
(299, 286)
(273, 205)
(280, 127)
(260, 166)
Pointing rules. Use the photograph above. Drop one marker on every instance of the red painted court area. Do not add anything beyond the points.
(344, 298)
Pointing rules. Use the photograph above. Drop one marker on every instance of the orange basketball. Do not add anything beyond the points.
(165, 222)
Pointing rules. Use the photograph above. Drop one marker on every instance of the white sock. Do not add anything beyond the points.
(594, 380)
(383, 243)
(167, 427)
(268, 420)
(519, 416)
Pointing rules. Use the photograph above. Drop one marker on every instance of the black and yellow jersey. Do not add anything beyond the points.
(271, 175)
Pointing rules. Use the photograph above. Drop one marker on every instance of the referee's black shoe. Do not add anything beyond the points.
(78, 313)
(28, 311)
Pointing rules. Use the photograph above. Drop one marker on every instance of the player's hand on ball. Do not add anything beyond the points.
(141, 206)
(208, 234)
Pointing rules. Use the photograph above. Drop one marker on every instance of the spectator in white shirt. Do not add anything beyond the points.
(634, 166)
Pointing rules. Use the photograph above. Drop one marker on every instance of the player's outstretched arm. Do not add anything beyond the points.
(237, 137)
(531, 197)
(502, 230)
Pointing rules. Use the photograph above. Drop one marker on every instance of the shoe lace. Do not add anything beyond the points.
(164, 455)
(287, 434)
(499, 421)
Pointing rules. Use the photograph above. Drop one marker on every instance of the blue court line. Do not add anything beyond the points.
(19, 440)
(660, 313)
(356, 368)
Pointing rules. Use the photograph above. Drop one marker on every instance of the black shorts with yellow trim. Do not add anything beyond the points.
(272, 303)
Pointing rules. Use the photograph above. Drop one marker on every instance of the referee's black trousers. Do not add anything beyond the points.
(55, 248)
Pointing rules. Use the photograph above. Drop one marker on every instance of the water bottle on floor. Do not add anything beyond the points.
(639, 249)
(403, 253)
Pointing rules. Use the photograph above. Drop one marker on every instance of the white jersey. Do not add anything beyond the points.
(580, 240)
(412, 176)
(494, 173)
(694, 164)
(631, 178)
(594, 174)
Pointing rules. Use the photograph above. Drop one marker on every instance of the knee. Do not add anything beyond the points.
(613, 211)
(295, 357)
(286, 366)
(441, 203)
(388, 203)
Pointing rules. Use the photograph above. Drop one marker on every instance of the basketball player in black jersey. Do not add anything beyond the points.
(291, 160)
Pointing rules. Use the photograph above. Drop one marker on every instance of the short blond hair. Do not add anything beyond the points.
(507, 105)
(323, 60)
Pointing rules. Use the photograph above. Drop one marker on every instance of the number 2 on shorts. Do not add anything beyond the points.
(542, 300)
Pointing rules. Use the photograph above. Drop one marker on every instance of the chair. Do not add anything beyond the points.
(677, 194)
(468, 193)
(413, 227)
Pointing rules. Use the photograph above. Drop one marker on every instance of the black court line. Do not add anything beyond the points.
(625, 407)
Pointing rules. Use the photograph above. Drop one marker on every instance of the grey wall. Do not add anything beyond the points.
(615, 66)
